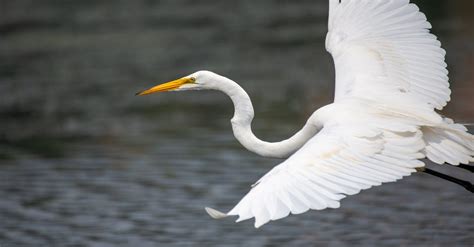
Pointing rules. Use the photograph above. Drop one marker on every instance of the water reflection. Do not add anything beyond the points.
(85, 163)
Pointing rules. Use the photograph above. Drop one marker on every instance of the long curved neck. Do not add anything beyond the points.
(242, 125)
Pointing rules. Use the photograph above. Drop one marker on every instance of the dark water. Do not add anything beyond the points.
(85, 163)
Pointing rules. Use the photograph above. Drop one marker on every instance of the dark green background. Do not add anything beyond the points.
(83, 162)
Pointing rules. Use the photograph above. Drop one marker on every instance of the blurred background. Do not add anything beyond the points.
(83, 162)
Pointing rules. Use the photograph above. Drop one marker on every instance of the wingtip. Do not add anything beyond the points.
(257, 225)
(215, 214)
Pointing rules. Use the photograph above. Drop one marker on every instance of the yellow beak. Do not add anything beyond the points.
(167, 86)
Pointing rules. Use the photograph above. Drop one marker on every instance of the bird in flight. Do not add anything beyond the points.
(391, 77)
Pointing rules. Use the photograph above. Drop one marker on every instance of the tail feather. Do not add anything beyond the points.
(448, 143)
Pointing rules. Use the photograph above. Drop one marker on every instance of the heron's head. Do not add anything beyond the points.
(196, 81)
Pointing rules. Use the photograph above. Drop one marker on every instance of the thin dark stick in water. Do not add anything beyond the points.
(467, 167)
(467, 185)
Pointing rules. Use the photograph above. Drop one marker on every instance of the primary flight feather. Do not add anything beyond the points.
(390, 78)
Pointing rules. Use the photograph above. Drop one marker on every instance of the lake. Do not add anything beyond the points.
(83, 162)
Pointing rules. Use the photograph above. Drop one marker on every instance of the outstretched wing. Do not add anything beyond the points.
(340, 160)
(383, 53)
(383, 49)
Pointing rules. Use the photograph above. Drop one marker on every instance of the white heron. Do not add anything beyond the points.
(391, 78)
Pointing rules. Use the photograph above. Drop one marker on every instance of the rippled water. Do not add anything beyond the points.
(85, 163)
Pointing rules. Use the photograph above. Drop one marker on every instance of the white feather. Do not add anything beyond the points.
(390, 78)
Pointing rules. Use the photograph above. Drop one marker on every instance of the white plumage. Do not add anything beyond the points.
(362, 144)
(383, 48)
(390, 78)
(385, 58)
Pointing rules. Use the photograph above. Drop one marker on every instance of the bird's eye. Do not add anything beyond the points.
(192, 79)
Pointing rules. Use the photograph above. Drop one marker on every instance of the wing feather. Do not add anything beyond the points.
(385, 48)
(329, 167)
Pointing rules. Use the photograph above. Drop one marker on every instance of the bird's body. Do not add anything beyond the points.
(390, 78)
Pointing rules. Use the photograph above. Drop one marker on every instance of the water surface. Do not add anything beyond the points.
(85, 163)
